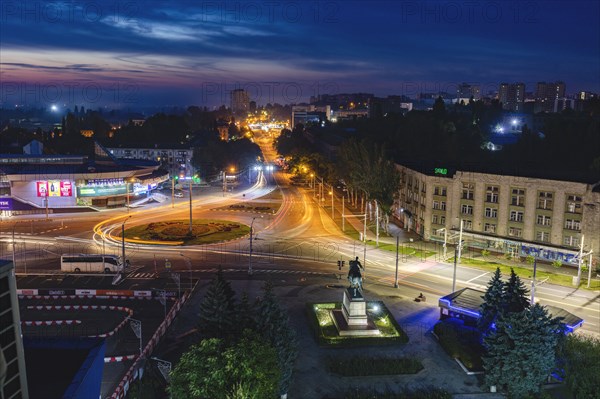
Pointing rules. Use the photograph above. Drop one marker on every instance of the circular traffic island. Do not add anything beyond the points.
(177, 232)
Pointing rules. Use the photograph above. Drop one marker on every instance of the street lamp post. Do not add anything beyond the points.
(332, 195)
(250, 251)
(190, 232)
(123, 240)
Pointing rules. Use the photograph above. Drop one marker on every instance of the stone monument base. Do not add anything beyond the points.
(352, 319)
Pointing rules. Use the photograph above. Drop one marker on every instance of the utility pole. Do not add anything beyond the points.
(531, 301)
(250, 252)
(580, 262)
(343, 210)
(47, 205)
(123, 241)
(13, 247)
(456, 250)
(459, 242)
(397, 245)
(190, 232)
(224, 182)
(377, 223)
(332, 195)
(173, 192)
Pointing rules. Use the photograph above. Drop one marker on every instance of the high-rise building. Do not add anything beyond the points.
(546, 94)
(512, 96)
(13, 381)
(466, 90)
(240, 101)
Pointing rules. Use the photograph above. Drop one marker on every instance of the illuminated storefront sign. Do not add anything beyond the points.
(5, 204)
(440, 171)
(98, 191)
(54, 188)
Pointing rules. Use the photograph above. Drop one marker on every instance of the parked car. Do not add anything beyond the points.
(179, 194)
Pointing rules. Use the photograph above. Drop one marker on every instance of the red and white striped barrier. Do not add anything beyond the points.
(113, 359)
(81, 307)
(49, 322)
(84, 297)
(133, 372)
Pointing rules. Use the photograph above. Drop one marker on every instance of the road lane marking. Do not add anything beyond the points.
(475, 278)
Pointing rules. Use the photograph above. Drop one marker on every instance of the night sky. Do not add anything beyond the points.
(140, 53)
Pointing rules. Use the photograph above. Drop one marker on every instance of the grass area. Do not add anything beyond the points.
(371, 365)
(326, 333)
(527, 272)
(461, 342)
(404, 393)
(269, 203)
(204, 231)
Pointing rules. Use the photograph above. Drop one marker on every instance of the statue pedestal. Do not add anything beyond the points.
(352, 319)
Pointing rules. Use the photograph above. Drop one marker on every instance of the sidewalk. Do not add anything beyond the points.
(311, 379)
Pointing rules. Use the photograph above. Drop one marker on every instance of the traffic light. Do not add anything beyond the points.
(339, 264)
(343, 263)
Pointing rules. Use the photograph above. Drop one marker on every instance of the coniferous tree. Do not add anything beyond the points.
(521, 351)
(245, 315)
(492, 301)
(217, 313)
(229, 292)
(273, 324)
(515, 294)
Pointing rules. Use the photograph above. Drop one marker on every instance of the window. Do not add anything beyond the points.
(442, 219)
(571, 241)
(468, 224)
(543, 220)
(491, 212)
(467, 209)
(518, 197)
(443, 205)
(573, 204)
(491, 194)
(516, 216)
(436, 204)
(468, 191)
(439, 190)
(434, 219)
(571, 224)
(515, 232)
(545, 200)
(542, 236)
(489, 228)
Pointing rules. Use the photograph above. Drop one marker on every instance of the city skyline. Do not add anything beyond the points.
(146, 53)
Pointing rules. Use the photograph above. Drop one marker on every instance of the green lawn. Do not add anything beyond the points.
(204, 231)
(553, 278)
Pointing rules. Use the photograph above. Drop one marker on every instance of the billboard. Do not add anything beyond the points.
(54, 188)
(5, 204)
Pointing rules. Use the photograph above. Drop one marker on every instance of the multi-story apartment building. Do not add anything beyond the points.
(240, 101)
(546, 94)
(178, 161)
(512, 96)
(507, 213)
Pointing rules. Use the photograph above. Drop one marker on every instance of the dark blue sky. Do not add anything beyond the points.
(137, 53)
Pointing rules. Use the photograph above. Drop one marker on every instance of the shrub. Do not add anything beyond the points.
(557, 263)
(485, 252)
(530, 259)
(581, 359)
(420, 393)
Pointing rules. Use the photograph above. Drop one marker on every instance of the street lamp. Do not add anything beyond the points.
(123, 241)
(250, 252)
(188, 261)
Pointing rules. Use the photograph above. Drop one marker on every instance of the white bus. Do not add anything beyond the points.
(76, 263)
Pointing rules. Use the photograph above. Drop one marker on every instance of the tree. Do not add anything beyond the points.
(211, 370)
(521, 351)
(492, 301)
(217, 309)
(245, 319)
(515, 294)
(273, 324)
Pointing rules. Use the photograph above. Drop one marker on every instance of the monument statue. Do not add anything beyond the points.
(354, 275)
